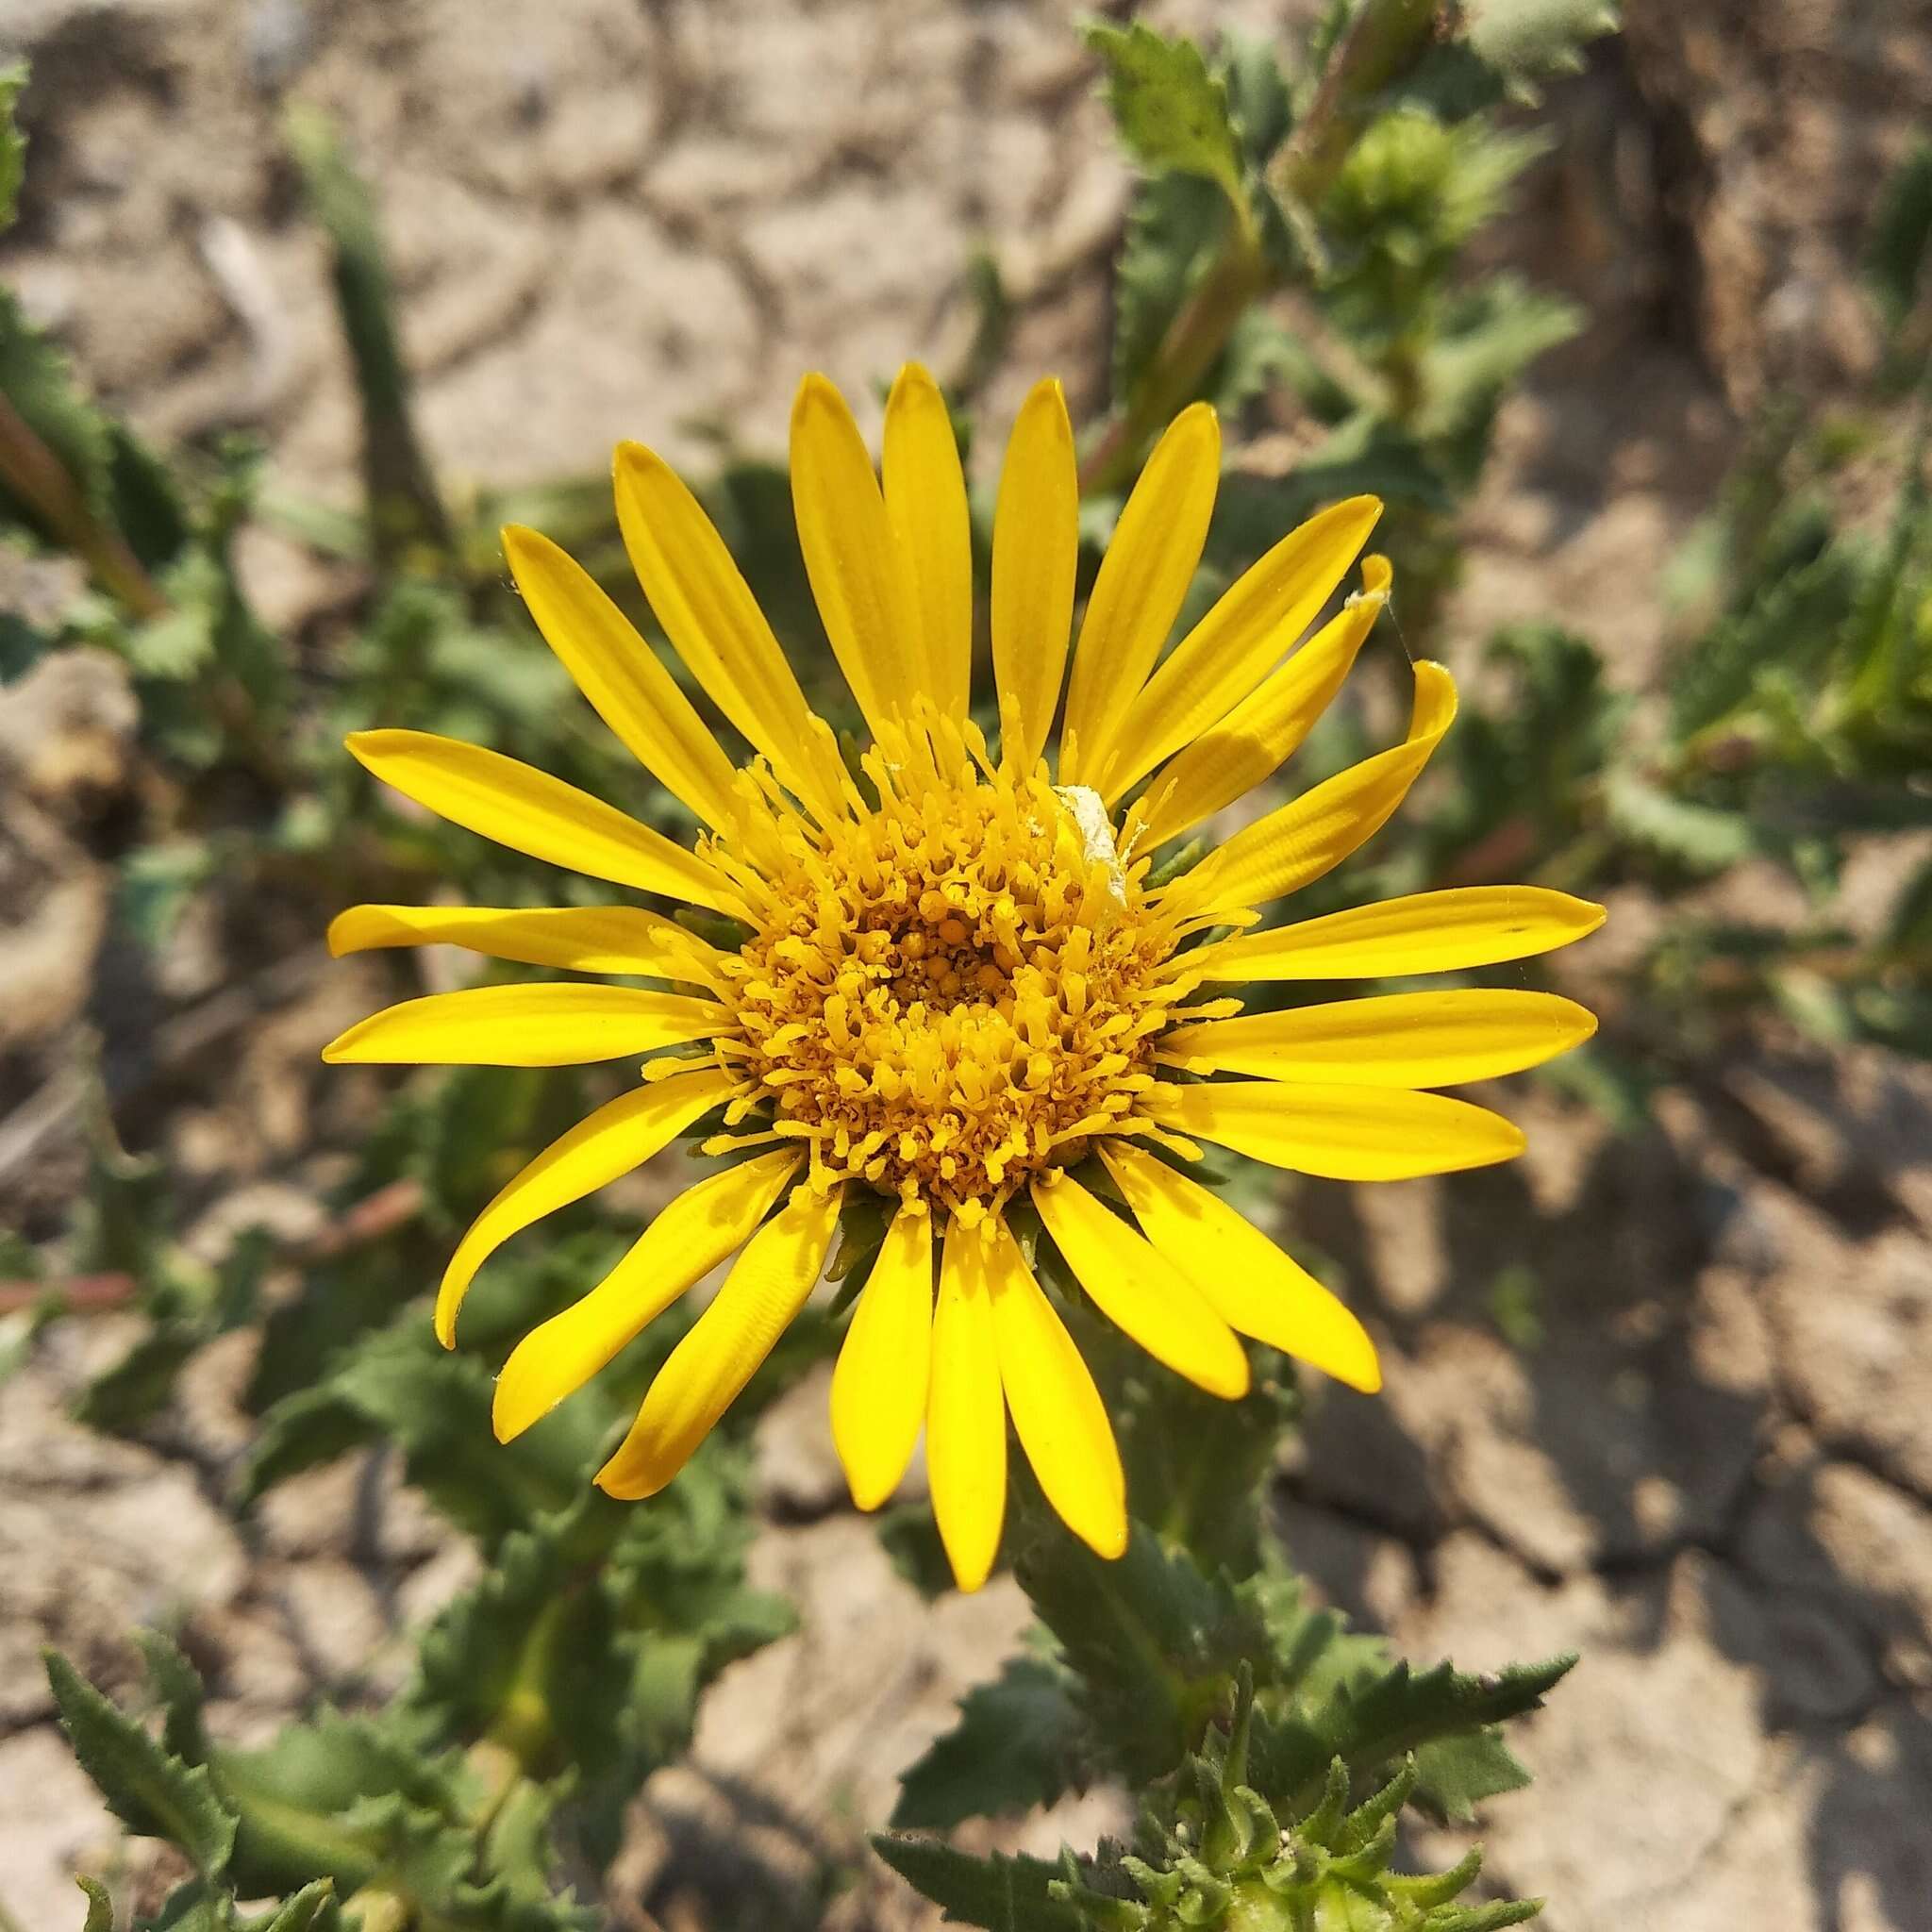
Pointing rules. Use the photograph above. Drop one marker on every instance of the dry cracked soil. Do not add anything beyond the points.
(1711, 1475)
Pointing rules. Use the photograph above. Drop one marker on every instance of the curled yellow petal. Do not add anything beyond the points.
(1239, 640)
(714, 624)
(1340, 1133)
(622, 1134)
(1056, 1410)
(879, 1381)
(1142, 584)
(766, 1288)
(621, 675)
(689, 1237)
(529, 812)
(1250, 1283)
(1227, 762)
(550, 1023)
(1399, 1040)
(1297, 844)
(926, 504)
(1138, 1290)
(965, 1418)
(1446, 931)
(859, 579)
(1036, 551)
(581, 938)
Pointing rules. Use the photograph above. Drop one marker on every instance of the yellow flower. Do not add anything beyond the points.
(959, 990)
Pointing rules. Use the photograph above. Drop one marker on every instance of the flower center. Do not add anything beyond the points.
(953, 989)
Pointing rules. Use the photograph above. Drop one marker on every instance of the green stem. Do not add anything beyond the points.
(1193, 342)
(1385, 40)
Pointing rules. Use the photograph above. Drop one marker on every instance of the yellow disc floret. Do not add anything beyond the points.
(953, 988)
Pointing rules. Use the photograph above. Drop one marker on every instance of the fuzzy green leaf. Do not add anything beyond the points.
(150, 1790)
(1528, 41)
(1171, 111)
(1153, 1639)
(100, 1906)
(997, 1892)
(1370, 1726)
(314, 1908)
(1019, 1742)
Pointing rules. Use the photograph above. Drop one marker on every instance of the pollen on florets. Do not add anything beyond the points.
(950, 991)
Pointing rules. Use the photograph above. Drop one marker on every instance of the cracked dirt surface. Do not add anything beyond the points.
(1713, 1474)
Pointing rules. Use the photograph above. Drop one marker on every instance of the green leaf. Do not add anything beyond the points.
(151, 1791)
(1152, 1637)
(1019, 1742)
(314, 1908)
(1702, 836)
(12, 170)
(120, 1398)
(1455, 1775)
(100, 1906)
(1368, 1727)
(1000, 1893)
(1901, 236)
(1528, 41)
(174, 1680)
(1171, 111)
(1173, 225)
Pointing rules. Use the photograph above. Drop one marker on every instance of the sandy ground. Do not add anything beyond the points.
(1713, 1476)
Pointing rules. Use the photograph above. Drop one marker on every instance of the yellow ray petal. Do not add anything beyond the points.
(1340, 1133)
(879, 1382)
(1422, 932)
(1294, 846)
(925, 503)
(622, 1134)
(581, 938)
(1142, 582)
(1399, 1040)
(621, 675)
(689, 1237)
(1056, 1410)
(529, 812)
(551, 1024)
(1036, 550)
(1236, 645)
(1229, 759)
(965, 1418)
(858, 574)
(715, 625)
(1138, 1290)
(1249, 1282)
(767, 1286)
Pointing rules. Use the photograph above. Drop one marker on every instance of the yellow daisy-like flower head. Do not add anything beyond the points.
(959, 990)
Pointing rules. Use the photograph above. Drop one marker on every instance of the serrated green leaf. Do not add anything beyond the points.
(1370, 1726)
(100, 1906)
(1019, 1742)
(1171, 111)
(314, 1908)
(1153, 1639)
(1173, 222)
(175, 1683)
(120, 1398)
(152, 1791)
(997, 1892)
(1526, 43)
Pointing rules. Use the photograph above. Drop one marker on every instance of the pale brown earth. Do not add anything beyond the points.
(1714, 1475)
